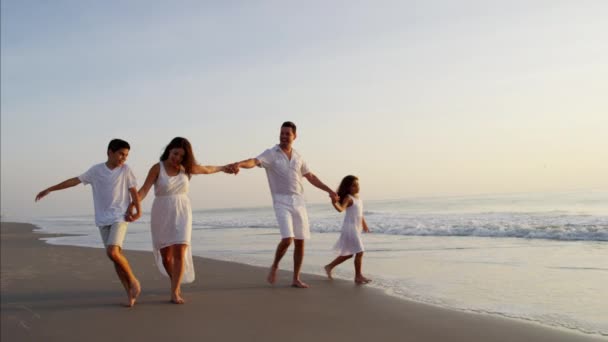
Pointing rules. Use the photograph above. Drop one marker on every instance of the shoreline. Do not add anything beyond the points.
(375, 284)
(48, 291)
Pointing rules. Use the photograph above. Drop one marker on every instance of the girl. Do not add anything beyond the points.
(171, 216)
(350, 242)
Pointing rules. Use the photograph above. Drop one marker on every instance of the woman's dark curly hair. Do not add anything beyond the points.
(189, 161)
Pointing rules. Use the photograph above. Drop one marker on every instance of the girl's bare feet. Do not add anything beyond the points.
(328, 272)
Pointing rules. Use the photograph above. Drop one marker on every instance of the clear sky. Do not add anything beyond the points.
(417, 98)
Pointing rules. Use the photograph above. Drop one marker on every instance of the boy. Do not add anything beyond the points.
(114, 187)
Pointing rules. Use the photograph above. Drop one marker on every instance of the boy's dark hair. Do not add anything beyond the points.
(345, 185)
(289, 124)
(117, 144)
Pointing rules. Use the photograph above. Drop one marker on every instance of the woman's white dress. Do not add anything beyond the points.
(172, 218)
(350, 241)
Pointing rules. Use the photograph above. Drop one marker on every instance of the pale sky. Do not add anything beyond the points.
(417, 98)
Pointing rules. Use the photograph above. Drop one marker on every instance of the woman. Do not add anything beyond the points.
(171, 211)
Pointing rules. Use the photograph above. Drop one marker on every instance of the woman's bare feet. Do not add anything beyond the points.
(177, 299)
(361, 280)
(272, 275)
(299, 284)
(328, 272)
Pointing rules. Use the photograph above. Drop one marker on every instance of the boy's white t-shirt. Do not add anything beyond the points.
(111, 196)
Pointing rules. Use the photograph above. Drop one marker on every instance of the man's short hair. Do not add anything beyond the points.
(289, 124)
(117, 144)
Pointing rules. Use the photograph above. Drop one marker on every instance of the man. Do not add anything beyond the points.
(285, 169)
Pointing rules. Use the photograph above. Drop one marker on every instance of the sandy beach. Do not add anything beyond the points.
(52, 293)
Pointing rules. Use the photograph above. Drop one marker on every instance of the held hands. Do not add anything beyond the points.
(129, 215)
(231, 168)
(334, 197)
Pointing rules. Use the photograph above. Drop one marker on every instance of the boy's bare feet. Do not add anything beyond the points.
(272, 275)
(134, 291)
(328, 272)
(361, 280)
(299, 284)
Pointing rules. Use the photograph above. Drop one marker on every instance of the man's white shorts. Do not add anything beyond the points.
(114, 234)
(292, 217)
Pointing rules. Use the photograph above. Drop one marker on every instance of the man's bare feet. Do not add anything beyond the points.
(361, 280)
(134, 291)
(272, 275)
(328, 272)
(299, 284)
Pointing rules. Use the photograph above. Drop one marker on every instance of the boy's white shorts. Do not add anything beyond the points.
(113, 234)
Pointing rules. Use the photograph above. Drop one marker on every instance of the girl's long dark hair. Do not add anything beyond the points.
(345, 185)
(188, 161)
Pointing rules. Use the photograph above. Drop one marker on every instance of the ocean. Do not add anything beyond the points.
(541, 258)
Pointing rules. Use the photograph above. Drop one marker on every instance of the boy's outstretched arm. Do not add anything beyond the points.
(63, 185)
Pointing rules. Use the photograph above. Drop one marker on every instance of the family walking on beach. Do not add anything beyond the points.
(117, 202)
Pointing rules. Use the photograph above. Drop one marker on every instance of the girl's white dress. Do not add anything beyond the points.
(350, 241)
(171, 218)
